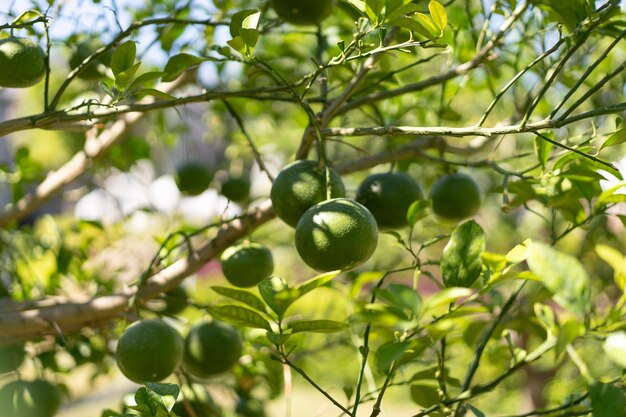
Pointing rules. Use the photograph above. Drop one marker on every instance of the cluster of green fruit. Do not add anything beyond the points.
(151, 350)
(193, 178)
(339, 233)
(19, 398)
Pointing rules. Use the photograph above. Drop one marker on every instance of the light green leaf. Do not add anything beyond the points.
(240, 316)
(145, 78)
(316, 282)
(316, 326)
(445, 297)
(568, 332)
(123, 57)
(616, 260)
(428, 23)
(607, 400)
(615, 348)
(243, 296)
(237, 44)
(417, 211)
(611, 195)
(401, 11)
(168, 393)
(542, 150)
(248, 18)
(177, 64)
(277, 294)
(616, 138)
(438, 14)
(402, 297)
(563, 275)
(461, 263)
(397, 352)
(124, 78)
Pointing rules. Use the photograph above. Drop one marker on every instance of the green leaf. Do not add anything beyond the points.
(425, 393)
(168, 393)
(542, 150)
(417, 211)
(413, 25)
(607, 400)
(240, 316)
(461, 263)
(237, 44)
(615, 348)
(248, 18)
(445, 297)
(475, 410)
(430, 26)
(438, 14)
(145, 78)
(153, 92)
(563, 275)
(316, 282)
(397, 352)
(403, 297)
(616, 138)
(150, 403)
(373, 8)
(316, 326)
(243, 296)
(124, 78)
(123, 57)
(611, 195)
(616, 260)
(276, 293)
(401, 11)
(177, 64)
(568, 332)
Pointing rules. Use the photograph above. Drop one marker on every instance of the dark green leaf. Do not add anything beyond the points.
(607, 400)
(243, 296)
(461, 263)
(542, 150)
(123, 57)
(563, 275)
(240, 316)
(168, 393)
(177, 64)
(277, 294)
(124, 78)
(153, 92)
(425, 393)
(316, 326)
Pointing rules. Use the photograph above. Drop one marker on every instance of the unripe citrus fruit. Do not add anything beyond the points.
(247, 264)
(211, 348)
(85, 49)
(199, 399)
(11, 357)
(193, 178)
(171, 303)
(304, 12)
(236, 188)
(388, 197)
(149, 351)
(38, 398)
(455, 197)
(22, 62)
(301, 185)
(336, 234)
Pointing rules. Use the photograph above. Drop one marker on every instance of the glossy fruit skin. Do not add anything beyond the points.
(455, 197)
(22, 62)
(211, 348)
(84, 50)
(247, 264)
(38, 398)
(11, 357)
(388, 197)
(236, 189)
(193, 178)
(336, 234)
(304, 12)
(301, 185)
(149, 351)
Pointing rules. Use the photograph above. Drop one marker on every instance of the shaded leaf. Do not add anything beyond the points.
(417, 211)
(123, 57)
(240, 316)
(243, 296)
(177, 64)
(461, 263)
(607, 400)
(316, 326)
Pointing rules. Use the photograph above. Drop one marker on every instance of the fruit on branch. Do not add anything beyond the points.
(301, 185)
(171, 303)
(38, 398)
(336, 234)
(304, 12)
(22, 62)
(388, 197)
(211, 348)
(149, 351)
(82, 51)
(11, 357)
(236, 188)
(455, 197)
(193, 178)
(247, 264)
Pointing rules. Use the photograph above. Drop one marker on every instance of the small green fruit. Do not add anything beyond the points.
(38, 398)
(247, 264)
(211, 348)
(22, 62)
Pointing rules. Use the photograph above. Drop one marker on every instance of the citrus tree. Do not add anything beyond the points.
(377, 202)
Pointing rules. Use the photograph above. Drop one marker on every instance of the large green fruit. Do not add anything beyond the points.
(388, 197)
(299, 186)
(247, 264)
(455, 197)
(11, 357)
(336, 234)
(149, 351)
(211, 348)
(38, 398)
(22, 62)
(304, 12)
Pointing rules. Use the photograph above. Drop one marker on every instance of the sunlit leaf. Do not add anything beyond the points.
(461, 263)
